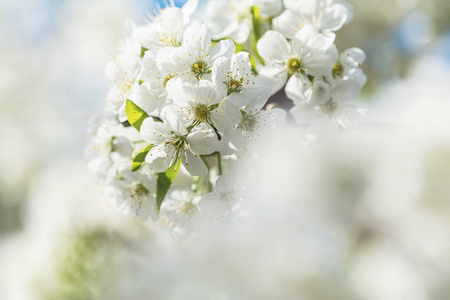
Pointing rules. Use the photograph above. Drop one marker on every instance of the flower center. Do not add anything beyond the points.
(137, 189)
(199, 68)
(338, 70)
(177, 143)
(329, 108)
(294, 65)
(167, 78)
(201, 112)
(126, 87)
(234, 85)
(248, 122)
(188, 208)
(170, 41)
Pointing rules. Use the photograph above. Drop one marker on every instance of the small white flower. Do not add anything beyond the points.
(229, 19)
(224, 199)
(197, 103)
(124, 69)
(347, 64)
(133, 193)
(325, 16)
(329, 107)
(109, 147)
(181, 208)
(155, 83)
(166, 29)
(195, 57)
(251, 122)
(171, 142)
(236, 79)
(302, 57)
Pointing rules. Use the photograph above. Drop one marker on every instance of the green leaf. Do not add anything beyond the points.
(135, 114)
(165, 181)
(139, 159)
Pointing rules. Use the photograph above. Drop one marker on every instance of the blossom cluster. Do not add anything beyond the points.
(190, 97)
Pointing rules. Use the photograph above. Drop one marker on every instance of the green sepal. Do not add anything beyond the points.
(165, 181)
(143, 50)
(140, 158)
(135, 114)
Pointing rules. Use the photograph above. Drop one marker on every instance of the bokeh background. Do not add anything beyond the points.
(59, 240)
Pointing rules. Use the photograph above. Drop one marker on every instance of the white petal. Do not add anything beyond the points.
(320, 92)
(154, 132)
(233, 112)
(296, 88)
(141, 96)
(220, 69)
(123, 146)
(197, 35)
(346, 90)
(276, 75)
(189, 7)
(167, 59)
(288, 23)
(224, 48)
(353, 57)
(356, 74)
(318, 63)
(207, 93)
(273, 47)
(304, 114)
(231, 143)
(194, 164)
(220, 120)
(258, 101)
(302, 37)
(180, 91)
(241, 35)
(173, 122)
(160, 158)
(203, 142)
(334, 17)
(304, 6)
(180, 194)
(240, 64)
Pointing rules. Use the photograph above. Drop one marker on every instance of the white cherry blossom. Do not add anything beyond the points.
(304, 56)
(251, 122)
(329, 106)
(223, 199)
(133, 194)
(347, 64)
(228, 19)
(195, 57)
(109, 146)
(198, 103)
(154, 81)
(181, 209)
(124, 69)
(236, 79)
(165, 29)
(171, 141)
(324, 15)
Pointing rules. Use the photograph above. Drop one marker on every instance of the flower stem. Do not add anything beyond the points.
(219, 163)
